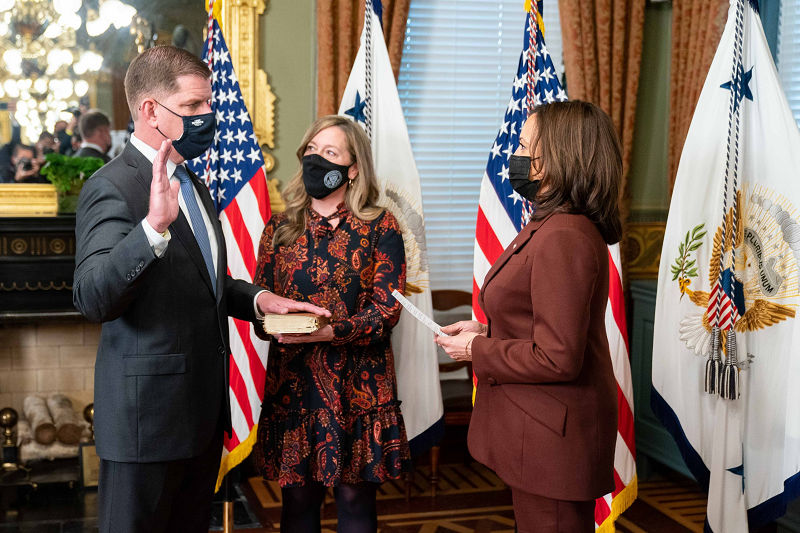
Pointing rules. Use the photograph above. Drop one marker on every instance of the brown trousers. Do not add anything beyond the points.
(537, 514)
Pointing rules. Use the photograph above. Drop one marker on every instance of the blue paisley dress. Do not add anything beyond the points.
(330, 411)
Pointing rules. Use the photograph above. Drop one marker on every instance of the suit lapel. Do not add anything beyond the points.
(520, 241)
(180, 228)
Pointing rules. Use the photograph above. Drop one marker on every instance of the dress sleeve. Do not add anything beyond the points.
(375, 322)
(265, 274)
(563, 278)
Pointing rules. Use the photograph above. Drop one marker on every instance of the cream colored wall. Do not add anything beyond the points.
(47, 358)
(288, 55)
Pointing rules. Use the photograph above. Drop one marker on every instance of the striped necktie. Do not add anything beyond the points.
(198, 225)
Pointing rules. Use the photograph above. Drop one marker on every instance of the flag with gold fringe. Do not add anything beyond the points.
(233, 170)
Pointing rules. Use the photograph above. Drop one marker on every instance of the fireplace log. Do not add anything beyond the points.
(68, 429)
(35, 409)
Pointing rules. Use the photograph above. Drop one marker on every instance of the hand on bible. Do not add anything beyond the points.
(269, 303)
(164, 204)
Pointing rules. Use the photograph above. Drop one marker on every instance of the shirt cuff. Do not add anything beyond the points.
(157, 242)
(259, 314)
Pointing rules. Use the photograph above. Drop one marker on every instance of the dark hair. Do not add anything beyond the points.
(580, 156)
(18, 147)
(155, 72)
(91, 120)
(46, 135)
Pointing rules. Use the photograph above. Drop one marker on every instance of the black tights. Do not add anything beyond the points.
(355, 506)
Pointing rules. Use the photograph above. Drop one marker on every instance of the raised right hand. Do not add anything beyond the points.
(465, 326)
(164, 206)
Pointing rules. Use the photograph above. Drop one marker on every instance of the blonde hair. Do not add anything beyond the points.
(362, 192)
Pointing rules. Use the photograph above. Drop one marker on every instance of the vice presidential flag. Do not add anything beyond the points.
(502, 213)
(371, 99)
(726, 354)
(233, 170)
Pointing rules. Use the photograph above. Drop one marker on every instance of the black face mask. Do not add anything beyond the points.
(198, 134)
(321, 177)
(519, 168)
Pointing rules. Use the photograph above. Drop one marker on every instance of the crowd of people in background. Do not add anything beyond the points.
(87, 134)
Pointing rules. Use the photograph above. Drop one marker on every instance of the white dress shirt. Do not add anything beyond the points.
(87, 144)
(159, 243)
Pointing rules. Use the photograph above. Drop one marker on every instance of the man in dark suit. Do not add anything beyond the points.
(151, 266)
(95, 131)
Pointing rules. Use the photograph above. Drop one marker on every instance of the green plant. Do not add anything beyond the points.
(68, 174)
(684, 268)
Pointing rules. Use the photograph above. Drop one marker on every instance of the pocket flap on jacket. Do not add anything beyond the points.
(539, 405)
(154, 365)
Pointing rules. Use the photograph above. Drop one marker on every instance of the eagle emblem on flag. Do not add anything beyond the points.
(767, 243)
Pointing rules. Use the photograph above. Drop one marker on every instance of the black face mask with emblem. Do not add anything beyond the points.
(322, 177)
(198, 134)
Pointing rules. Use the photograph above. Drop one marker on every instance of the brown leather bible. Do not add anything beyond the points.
(294, 323)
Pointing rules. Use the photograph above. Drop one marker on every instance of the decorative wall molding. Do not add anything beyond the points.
(644, 245)
(241, 26)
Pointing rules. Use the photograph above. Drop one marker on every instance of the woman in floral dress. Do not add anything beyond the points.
(330, 416)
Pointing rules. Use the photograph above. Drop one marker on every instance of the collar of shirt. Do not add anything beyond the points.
(86, 144)
(150, 153)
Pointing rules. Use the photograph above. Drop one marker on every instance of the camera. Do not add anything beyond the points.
(25, 163)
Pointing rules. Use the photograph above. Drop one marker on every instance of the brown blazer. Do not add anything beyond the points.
(545, 416)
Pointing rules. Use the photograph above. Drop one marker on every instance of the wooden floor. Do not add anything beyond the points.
(471, 500)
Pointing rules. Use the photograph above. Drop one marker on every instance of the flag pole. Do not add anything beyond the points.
(227, 506)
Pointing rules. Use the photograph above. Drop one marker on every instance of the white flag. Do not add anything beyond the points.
(742, 160)
(372, 100)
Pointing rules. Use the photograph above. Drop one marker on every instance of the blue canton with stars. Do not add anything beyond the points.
(546, 90)
(235, 156)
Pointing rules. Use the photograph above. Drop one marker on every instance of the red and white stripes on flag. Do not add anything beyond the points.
(243, 222)
(233, 170)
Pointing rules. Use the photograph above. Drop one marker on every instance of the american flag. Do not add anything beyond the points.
(233, 170)
(502, 213)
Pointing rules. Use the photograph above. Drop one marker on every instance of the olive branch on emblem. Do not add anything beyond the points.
(685, 267)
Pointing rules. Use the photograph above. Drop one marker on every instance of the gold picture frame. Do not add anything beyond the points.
(240, 22)
(28, 200)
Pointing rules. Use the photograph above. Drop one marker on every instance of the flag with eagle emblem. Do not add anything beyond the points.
(725, 364)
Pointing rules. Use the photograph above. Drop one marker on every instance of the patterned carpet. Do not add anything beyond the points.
(471, 499)
(681, 500)
(455, 479)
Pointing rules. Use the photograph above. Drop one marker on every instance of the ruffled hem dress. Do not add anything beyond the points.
(330, 411)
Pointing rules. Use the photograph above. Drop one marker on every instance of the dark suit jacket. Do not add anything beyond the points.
(87, 151)
(161, 373)
(545, 416)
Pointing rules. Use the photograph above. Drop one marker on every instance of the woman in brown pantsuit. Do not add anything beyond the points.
(545, 416)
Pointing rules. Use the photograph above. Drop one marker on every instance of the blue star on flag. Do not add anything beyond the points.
(739, 471)
(357, 111)
(743, 83)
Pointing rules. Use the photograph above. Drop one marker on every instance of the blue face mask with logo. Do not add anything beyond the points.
(198, 134)
(321, 177)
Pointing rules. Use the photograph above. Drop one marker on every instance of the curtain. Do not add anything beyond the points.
(602, 54)
(697, 27)
(339, 24)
